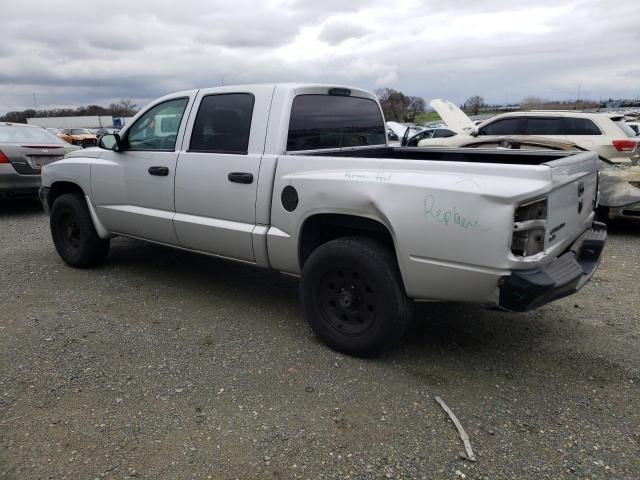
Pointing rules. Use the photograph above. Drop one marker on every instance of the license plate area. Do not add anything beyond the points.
(39, 161)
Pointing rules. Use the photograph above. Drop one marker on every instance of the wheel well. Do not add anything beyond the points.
(60, 188)
(323, 228)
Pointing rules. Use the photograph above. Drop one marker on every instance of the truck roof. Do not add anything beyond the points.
(296, 87)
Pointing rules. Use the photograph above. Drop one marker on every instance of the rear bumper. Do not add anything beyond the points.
(14, 184)
(529, 289)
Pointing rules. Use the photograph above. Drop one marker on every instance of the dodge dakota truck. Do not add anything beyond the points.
(299, 178)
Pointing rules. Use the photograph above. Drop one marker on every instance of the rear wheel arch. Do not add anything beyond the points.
(321, 228)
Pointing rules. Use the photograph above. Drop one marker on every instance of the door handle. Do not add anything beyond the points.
(159, 171)
(240, 177)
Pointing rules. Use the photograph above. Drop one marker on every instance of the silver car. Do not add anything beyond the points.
(24, 150)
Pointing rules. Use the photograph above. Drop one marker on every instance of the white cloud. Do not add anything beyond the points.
(502, 50)
(387, 79)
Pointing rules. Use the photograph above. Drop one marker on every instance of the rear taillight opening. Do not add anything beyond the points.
(3, 158)
(529, 228)
(626, 145)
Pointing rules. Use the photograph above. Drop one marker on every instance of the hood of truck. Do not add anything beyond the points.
(455, 118)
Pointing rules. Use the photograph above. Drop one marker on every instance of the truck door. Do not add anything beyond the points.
(133, 188)
(217, 172)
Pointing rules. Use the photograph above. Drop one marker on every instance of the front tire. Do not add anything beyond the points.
(73, 233)
(353, 296)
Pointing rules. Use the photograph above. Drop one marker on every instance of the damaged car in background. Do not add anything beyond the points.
(606, 134)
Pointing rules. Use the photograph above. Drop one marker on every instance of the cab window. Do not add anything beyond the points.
(223, 124)
(328, 121)
(158, 128)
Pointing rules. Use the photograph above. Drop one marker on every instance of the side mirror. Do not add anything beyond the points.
(474, 131)
(110, 142)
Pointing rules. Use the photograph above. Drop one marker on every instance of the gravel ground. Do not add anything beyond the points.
(167, 365)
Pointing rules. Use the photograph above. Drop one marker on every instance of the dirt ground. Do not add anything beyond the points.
(167, 365)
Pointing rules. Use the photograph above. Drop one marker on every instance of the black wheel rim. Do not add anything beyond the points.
(69, 232)
(347, 301)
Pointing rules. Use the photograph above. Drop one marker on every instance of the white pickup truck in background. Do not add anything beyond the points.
(299, 178)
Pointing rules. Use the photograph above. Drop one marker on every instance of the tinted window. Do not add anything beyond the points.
(223, 124)
(543, 126)
(158, 128)
(579, 126)
(506, 126)
(443, 133)
(331, 121)
(629, 130)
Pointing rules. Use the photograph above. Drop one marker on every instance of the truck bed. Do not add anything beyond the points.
(507, 156)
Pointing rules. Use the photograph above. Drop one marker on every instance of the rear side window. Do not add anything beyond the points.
(443, 133)
(34, 135)
(506, 126)
(579, 126)
(223, 124)
(542, 126)
(332, 121)
(628, 130)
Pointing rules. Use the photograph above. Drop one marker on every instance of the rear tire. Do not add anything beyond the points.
(73, 233)
(353, 296)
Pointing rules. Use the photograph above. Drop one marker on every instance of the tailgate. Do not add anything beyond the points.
(572, 198)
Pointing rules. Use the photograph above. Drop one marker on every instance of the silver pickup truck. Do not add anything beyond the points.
(299, 178)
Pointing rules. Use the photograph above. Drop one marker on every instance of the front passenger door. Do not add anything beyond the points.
(133, 188)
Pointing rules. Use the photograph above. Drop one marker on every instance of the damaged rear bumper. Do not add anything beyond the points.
(529, 289)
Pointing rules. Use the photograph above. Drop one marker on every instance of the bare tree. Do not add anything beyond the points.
(416, 105)
(532, 102)
(394, 103)
(123, 108)
(473, 104)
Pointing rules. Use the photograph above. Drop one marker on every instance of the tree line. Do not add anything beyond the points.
(122, 108)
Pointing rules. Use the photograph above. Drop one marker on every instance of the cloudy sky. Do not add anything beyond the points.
(69, 53)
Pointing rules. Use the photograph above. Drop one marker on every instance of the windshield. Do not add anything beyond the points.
(628, 131)
(9, 134)
(79, 131)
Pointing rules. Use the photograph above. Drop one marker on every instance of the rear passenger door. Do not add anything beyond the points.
(217, 172)
(545, 126)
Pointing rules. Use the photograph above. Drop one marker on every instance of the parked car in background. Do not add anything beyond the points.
(606, 134)
(411, 140)
(520, 142)
(61, 134)
(106, 131)
(24, 150)
(82, 137)
(635, 126)
(400, 129)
